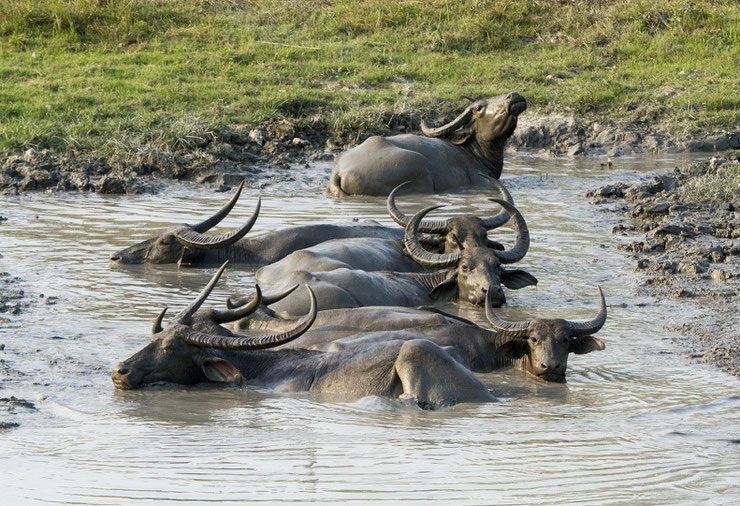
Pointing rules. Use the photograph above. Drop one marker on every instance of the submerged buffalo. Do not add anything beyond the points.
(188, 244)
(468, 274)
(195, 348)
(374, 254)
(450, 156)
(467, 229)
(539, 347)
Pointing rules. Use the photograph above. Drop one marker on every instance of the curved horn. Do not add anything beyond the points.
(512, 330)
(503, 216)
(521, 246)
(230, 315)
(580, 329)
(467, 98)
(216, 218)
(450, 127)
(428, 226)
(190, 238)
(202, 296)
(239, 342)
(418, 253)
(157, 327)
(266, 299)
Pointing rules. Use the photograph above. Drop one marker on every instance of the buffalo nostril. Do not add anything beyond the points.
(115, 258)
(485, 290)
(122, 371)
(510, 95)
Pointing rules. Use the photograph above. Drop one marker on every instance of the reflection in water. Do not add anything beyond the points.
(637, 422)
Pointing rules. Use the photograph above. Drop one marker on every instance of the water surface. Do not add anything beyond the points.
(636, 423)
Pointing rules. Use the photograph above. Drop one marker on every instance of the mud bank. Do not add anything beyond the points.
(686, 247)
(13, 301)
(219, 160)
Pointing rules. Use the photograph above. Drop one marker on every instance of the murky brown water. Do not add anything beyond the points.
(636, 423)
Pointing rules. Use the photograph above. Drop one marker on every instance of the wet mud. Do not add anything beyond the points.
(682, 248)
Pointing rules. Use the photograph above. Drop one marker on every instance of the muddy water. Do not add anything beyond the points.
(636, 423)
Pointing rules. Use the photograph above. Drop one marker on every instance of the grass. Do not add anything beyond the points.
(114, 76)
(721, 184)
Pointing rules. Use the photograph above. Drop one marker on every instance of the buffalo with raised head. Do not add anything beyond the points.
(447, 157)
(195, 348)
(189, 244)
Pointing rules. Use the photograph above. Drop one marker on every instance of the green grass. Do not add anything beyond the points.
(152, 74)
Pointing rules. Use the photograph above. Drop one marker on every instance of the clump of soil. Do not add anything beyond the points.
(219, 161)
(687, 247)
(566, 135)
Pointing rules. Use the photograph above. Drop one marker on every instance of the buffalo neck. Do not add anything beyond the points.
(491, 154)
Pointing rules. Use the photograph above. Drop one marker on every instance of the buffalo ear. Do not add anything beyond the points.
(586, 344)
(513, 349)
(495, 245)
(221, 371)
(446, 286)
(460, 136)
(517, 278)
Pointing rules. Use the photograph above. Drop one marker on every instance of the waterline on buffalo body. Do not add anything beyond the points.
(636, 422)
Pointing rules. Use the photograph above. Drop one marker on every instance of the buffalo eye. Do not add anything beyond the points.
(533, 339)
(464, 267)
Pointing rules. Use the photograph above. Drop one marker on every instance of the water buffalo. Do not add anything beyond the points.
(466, 229)
(467, 275)
(195, 348)
(334, 324)
(188, 244)
(368, 254)
(450, 156)
(539, 347)
(373, 254)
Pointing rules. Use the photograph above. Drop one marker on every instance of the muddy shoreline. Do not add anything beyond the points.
(219, 160)
(689, 248)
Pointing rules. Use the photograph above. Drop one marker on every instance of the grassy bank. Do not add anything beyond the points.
(116, 76)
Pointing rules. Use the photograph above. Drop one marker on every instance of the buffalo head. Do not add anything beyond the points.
(478, 270)
(186, 243)
(544, 344)
(183, 352)
(489, 122)
(467, 230)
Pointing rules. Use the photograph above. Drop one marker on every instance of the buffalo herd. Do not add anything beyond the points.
(350, 309)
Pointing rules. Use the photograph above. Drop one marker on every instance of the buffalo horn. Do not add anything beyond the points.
(418, 253)
(267, 299)
(214, 220)
(580, 329)
(502, 217)
(230, 315)
(192, 239)
(202, 296)
(522, 236)
(444, 130)
(426, 226)
(240, 342)
(512, 330)
(157, 327)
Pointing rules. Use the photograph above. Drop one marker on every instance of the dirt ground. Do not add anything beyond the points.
(688, 249)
